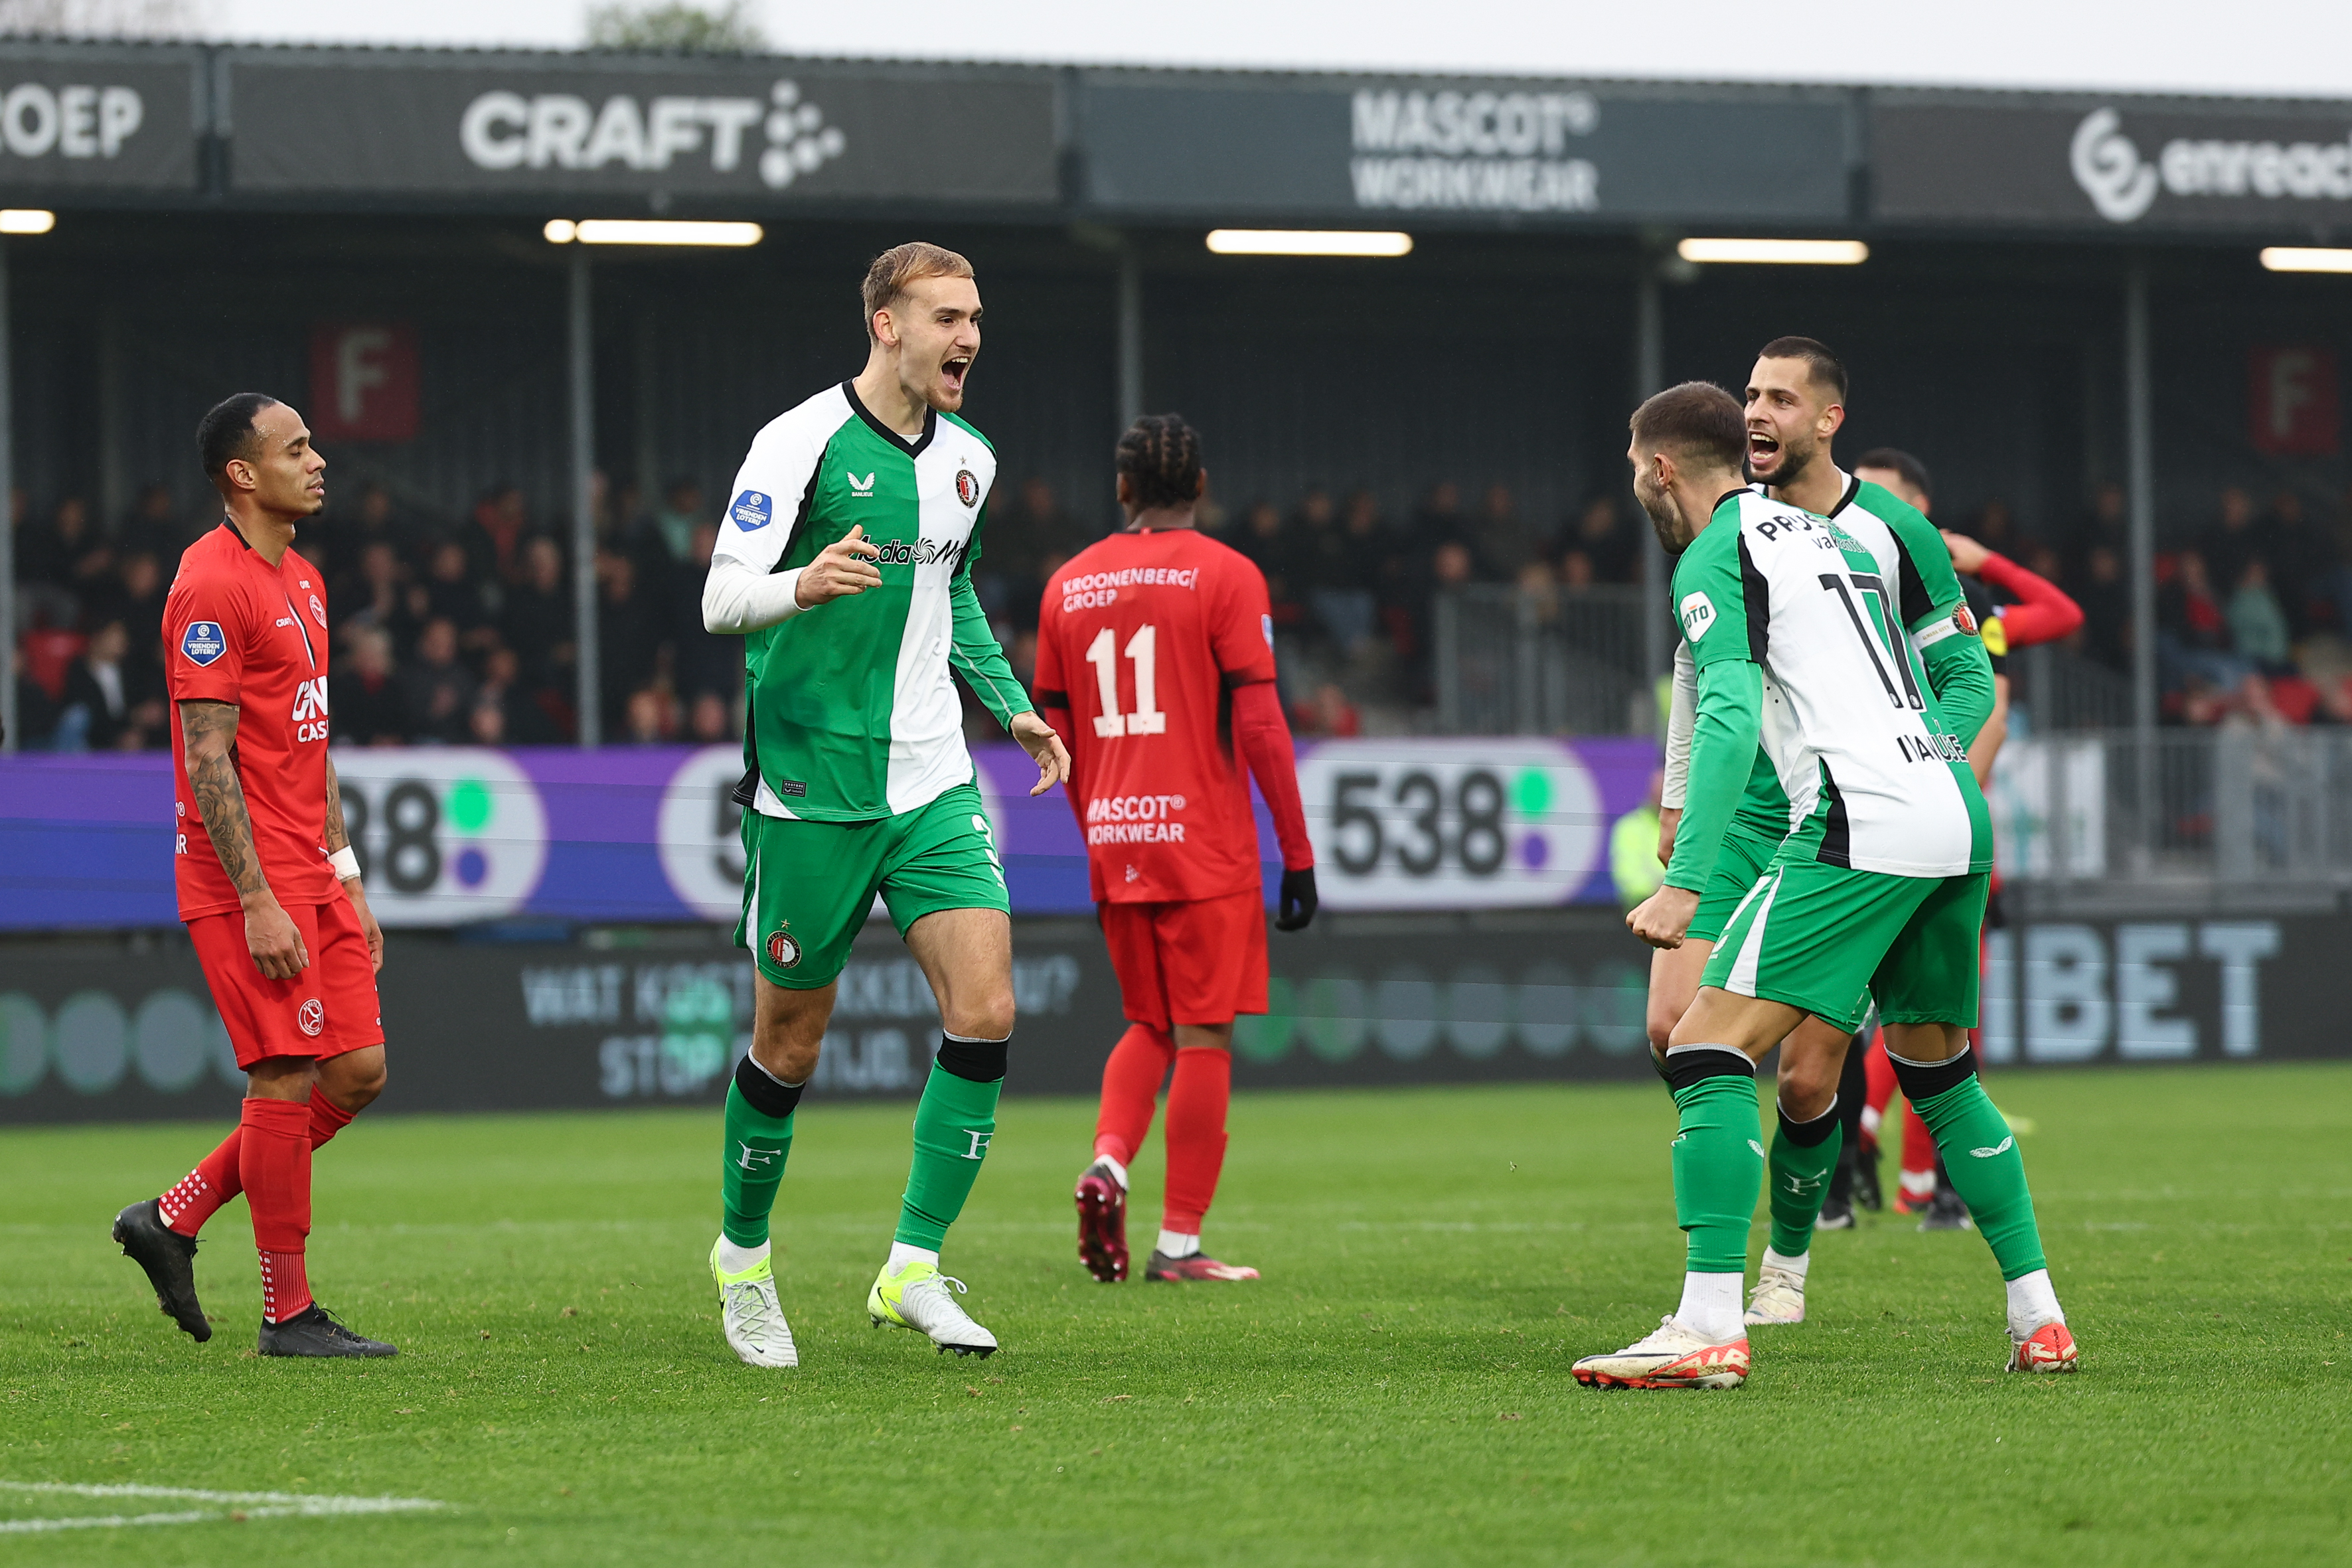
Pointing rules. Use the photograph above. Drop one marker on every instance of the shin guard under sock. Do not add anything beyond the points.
(1982, 1154)
(758, 1132)
(1718, 1153)
(1803, 1155)
(274, 1164)
(954, 1123)
(198, 1195)
(1131, 1090)
(327, 1118)
(1195, 1135)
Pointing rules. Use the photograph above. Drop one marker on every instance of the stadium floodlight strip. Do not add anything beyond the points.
(27, 220)
(1308, 242)
(2291, 258)
(650, 231)
(1777, 252)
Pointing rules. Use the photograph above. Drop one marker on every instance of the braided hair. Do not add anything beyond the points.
(1161, 454)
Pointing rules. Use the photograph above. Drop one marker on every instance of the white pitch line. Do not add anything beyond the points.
(253, 1505)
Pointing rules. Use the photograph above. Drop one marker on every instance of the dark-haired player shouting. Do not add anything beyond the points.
(290, 955)
(1159, 645)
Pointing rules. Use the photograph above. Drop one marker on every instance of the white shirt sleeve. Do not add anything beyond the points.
(738, 599)
(778, 475)
(1682, 716)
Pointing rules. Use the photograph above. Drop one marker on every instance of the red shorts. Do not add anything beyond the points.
(1198, 961)
(328, 1009)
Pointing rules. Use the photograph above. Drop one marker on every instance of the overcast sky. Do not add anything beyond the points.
(2215, 46)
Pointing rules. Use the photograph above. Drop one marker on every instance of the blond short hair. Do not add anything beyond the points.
(901, 266)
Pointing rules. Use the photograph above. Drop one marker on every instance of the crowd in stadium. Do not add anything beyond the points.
(459, 630)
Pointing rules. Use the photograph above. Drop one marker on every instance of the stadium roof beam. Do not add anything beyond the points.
(1776, 252)
(1310, 242)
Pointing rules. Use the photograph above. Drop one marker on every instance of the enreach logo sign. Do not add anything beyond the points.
(783, 137)
(2123, 184)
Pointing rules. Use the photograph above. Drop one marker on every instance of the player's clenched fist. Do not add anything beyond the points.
(1661, 918)
(842, 568)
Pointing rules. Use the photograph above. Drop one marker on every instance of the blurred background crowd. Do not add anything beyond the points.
(461, 630)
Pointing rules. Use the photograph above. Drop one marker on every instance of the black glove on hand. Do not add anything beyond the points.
(1296, 905)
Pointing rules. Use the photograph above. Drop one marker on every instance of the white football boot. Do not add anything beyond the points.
(1674, 1357)
(752, 1316)
(917, 1296)
(1779, 1297)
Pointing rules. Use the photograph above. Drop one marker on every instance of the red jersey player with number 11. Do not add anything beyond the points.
(1158, 643)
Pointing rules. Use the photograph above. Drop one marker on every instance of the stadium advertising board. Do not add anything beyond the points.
(1473, 149)
(102, 121)
(458, 836)
(2110, 162)
(739, 133)
(117, 1028)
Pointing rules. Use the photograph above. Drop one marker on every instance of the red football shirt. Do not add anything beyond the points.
(237, 630)
(1142, 636)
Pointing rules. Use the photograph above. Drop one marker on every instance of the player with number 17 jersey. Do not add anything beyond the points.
(1159, 643)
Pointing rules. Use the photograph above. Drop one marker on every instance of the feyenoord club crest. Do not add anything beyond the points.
(1961, 619)
(783, 951)
(967, 487)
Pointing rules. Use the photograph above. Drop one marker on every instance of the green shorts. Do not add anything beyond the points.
(809, 886)
(1828, 939)
(1743, 860)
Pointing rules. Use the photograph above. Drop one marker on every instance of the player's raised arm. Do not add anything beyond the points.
(269, 934)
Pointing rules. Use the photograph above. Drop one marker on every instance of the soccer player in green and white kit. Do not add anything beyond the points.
(845, 561)
(1796, 404)
(1797, 625)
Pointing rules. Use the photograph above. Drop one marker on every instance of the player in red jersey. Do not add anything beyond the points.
(290, 956)
(2039, 610)
(1158, 645)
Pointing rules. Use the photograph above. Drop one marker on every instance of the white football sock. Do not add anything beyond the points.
(1711, 1305)
(1176, 1243)
(902, 1254)
(1871, 1119)
(1118, 1170)
(734, 1259)
(2031, 1304)
(1796, 1265)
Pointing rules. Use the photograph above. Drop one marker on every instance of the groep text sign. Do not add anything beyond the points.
(753, 132)
(98, 120)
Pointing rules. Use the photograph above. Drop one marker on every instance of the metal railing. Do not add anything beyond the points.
(1562, 661)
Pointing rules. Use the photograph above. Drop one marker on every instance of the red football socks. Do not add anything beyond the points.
(274, 1163)
(199, 1194)
(1196, 1135)
(1131, 1090)
(1880, 1073)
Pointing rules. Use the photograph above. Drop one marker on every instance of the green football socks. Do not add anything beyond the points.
(757, 1146)
(1718, 1160)
(1982, 1156)
(954, 1123)
(1803, 1155)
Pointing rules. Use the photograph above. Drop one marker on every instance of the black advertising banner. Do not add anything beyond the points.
(754, 132)
(1486, 148)
(2112, 163)
(116, 122)
(122, 1029)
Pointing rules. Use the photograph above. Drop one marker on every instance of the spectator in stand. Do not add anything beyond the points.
(348, 543)
(454, 594)
(65, 554)
(109, 704)
(1503, 543)
(711, 724)
(2105, 599)
(493, 540)
(1267, 542)
(1439, 517)
(537, 619)
(505, 712)
(2192, 632)
(135, 597)
(646, 718)
(2233, 542)
(153, 526)
(680, 514)
(2104, 526)
(1608, 545)
(1327, 713)
(376, 597)
(1576, 572)
(1312, 531)
(1995, 528)
(1347, 572)
(628, 635)
(438, 689)
(2258, 623)
(704, 664)
(2303, 562)
(368, 705)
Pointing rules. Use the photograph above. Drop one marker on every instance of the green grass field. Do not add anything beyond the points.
(1396, 1390)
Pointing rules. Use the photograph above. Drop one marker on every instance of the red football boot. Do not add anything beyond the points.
(1102, 1224)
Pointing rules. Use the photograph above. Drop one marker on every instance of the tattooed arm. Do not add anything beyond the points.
(209, 729)
(338, 839)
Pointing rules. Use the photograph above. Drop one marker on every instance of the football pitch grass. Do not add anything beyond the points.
(1395, 1390)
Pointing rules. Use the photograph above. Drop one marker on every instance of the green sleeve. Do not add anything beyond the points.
(976, 655)
(1960, 672)
(1723, 752)
(1711, 588)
